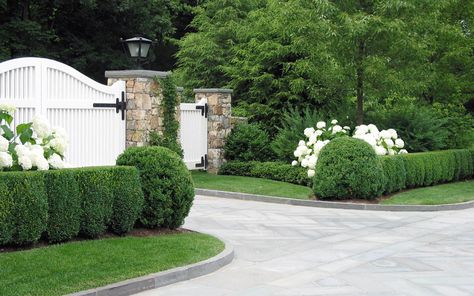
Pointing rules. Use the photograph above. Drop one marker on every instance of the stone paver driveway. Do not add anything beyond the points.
(291, 250)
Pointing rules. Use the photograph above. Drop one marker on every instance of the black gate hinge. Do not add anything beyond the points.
(204, 109)
(204, 162)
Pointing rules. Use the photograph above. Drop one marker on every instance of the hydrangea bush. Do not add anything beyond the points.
(35, 145)
(384, 142)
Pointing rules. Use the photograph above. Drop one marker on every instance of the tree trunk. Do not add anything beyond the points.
(360, 82)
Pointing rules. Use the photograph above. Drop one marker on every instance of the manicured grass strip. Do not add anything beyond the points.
(250, 185)
(435, 195)
(77, 266)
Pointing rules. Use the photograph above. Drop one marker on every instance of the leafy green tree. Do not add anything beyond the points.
(320, 54)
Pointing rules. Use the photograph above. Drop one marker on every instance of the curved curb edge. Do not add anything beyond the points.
(334, 204)
(164, 278)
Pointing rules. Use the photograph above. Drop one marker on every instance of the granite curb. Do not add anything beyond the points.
(164, 278)
(333, 204)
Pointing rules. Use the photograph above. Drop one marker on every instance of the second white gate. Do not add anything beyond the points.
(193, 134)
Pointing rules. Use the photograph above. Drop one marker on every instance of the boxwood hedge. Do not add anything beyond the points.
(60, 204)
(278, 171)
(399, 171)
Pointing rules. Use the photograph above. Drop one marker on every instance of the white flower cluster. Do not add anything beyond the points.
(307, 152)
(44, 150)
(385, 142)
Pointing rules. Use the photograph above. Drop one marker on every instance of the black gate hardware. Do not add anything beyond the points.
(119, 105)
(204, 162)
(204, 109)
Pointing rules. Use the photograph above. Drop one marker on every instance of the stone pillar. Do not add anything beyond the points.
(144, 97)
(218, 124)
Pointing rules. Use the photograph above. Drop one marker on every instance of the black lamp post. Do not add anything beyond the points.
(138, 48)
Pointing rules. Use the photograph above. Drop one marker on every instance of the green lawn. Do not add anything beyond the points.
(250, 185)
(435, 195)
(76, 266)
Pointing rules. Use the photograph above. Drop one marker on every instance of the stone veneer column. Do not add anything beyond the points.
(144, 97)
(218, 124)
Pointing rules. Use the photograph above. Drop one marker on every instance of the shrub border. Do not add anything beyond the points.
(334, 204)
(164, 278)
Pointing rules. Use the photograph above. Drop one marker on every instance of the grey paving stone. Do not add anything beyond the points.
(294, 250)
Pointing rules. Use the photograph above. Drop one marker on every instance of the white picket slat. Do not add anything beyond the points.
(193, 134)
(66, 96)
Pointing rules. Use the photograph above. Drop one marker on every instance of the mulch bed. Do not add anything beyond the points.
(137, 232)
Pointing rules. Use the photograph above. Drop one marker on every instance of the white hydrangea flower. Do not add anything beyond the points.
(389, 143)
(403, 151)
(297, 153)
(59, 145)
(22, 150)
(385, 134)
(312, 161)
(41, 126)
(380, 150)
(393, 133)
(4, 143)
(294, 162)
(59, 132)
(311, 173)
(25, 162)
(321, 125)
(304, 163)
(347, 128)
(301, 143)
(361, 129)
(391, 152)
(312, 139)
(334, 121)
(55, 161)
(399, 143)
(42, 164)
(308, 131)
(10, 109)
(336, 129)
(6, 160)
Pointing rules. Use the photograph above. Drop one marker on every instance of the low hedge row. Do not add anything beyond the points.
(62, 204)
(427, 168)
(399, 171)
(278, 171)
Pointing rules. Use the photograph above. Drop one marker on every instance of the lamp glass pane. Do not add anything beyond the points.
(145, 48)
(133, 49)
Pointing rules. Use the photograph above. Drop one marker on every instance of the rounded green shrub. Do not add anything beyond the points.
(348, 168)
(247, 142)
(96, 200)
(128, 198)
(25, 206)
(166, 183)
(64, 205)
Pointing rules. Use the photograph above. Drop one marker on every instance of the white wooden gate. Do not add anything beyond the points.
(67, 98)
(193, 134)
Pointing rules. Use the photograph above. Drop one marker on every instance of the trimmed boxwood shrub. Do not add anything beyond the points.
(96, 200)
(166, 184)
(64, 205)
(270, 170)
(127, 198)
(23, 207)
(348, 168)
(248, 142)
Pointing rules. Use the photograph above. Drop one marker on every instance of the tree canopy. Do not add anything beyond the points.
(324, 54)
